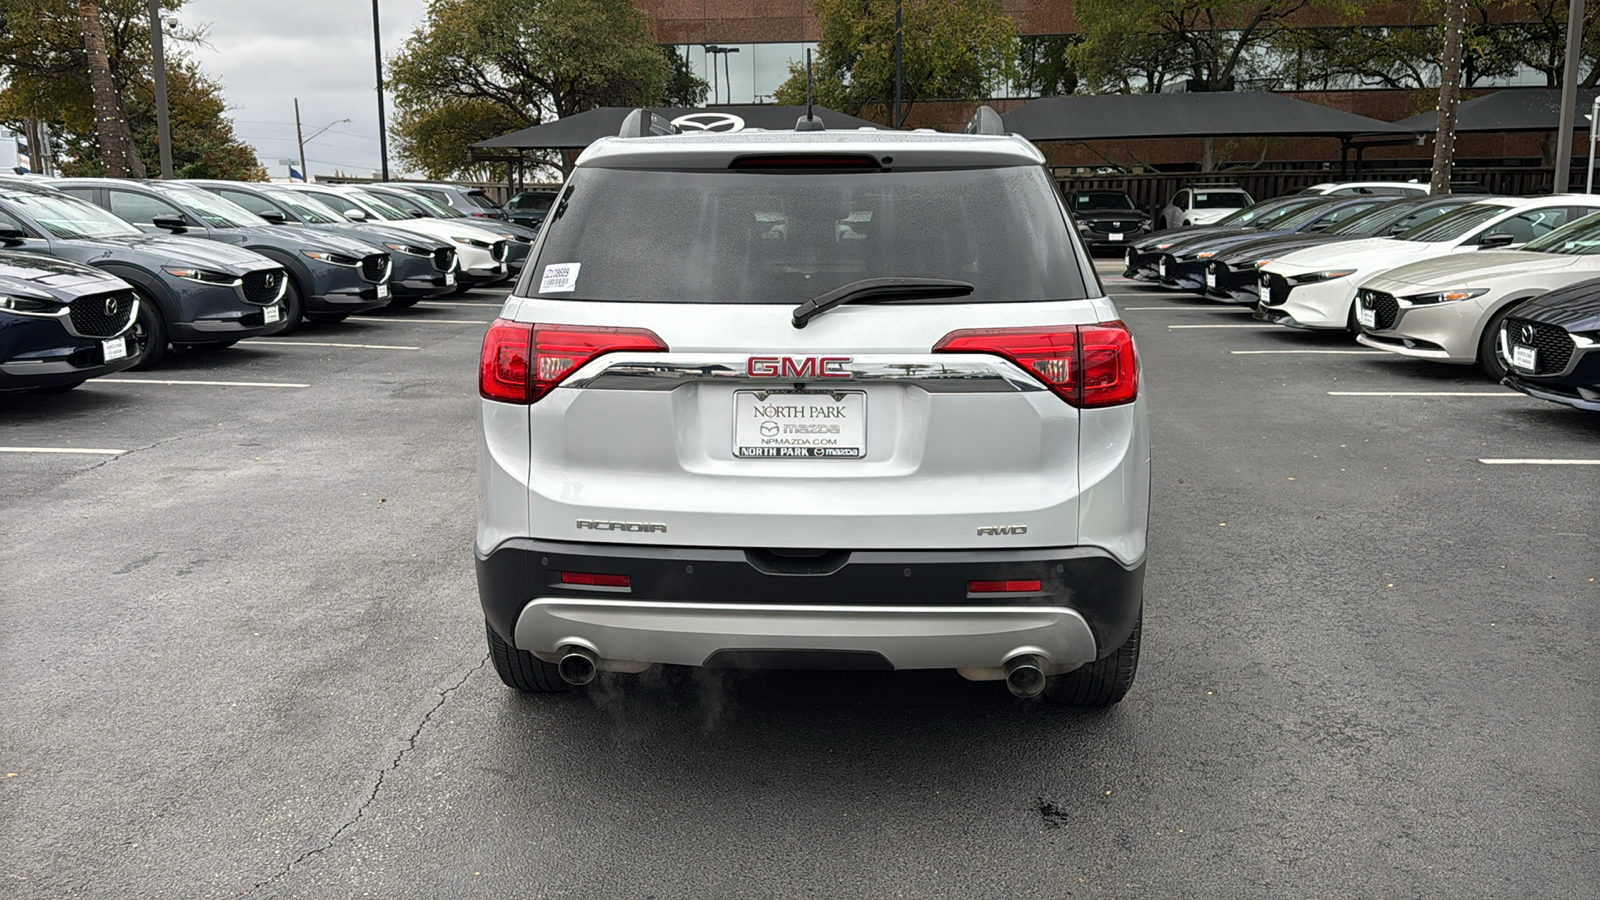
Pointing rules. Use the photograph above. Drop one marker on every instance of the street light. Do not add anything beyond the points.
(1593, 117)
(301, 139)
(158, 64)
(714, 51)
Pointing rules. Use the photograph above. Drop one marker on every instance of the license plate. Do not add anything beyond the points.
(800, 424)
(449, 278)
(1115, 235)
(1367, 317)
(1263, 293)
(1162, 268)
(383, 292)
(1524, 358)
(1211, 279)
(271, 314)
(115, 349)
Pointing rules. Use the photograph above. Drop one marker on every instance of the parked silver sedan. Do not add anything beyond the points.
(1449, 309)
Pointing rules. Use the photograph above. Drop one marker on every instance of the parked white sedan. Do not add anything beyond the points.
(1316, 287)
(1450, 309)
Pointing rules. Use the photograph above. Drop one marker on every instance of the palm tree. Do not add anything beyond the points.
(1444, 144)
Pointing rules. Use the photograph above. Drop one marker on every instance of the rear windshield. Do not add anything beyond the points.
(537, 202)
(1578, 238)
(757, 237)
(1090, 201)
(1220, 199)
(479, 198)
(1453, 225)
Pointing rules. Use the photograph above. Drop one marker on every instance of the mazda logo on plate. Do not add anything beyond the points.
(1526, 334)
(112, 306)
(721, 122)
(769, 429)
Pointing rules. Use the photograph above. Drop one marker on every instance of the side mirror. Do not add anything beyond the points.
(273, 216)
(174, 224)
(356, 215)
(1496, 239)
(11, 236)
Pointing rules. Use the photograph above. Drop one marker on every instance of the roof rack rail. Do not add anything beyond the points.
(644, 123)
(1213, 184)
(985, 121)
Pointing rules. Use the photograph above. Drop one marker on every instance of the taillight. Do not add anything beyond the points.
(594, 579)
(1004, 587)
(522, 362)
(1086, 365)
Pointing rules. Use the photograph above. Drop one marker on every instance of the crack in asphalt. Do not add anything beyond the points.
(127, 453)
(377, 786)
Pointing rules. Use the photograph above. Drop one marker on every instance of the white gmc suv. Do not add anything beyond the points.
(813, 400)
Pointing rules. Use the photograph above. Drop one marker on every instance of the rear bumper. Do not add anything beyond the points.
(699, 606)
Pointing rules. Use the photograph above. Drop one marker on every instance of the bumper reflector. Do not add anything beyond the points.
(1003, 587)
(594, 580)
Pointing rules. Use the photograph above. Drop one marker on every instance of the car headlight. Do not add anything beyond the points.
(1164, 246)
(338, 259)
(1206, 255)
(205, 276)
(408, 250)
(1455, 296)
(1262, 262)
(29, 305)
(1314, 277)
(472, 242)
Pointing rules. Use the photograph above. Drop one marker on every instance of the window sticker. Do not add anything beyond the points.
(559, 277)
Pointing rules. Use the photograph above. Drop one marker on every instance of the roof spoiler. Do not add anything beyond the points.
(985, 121)
(644, 123)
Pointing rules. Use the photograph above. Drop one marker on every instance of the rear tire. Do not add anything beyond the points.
(1102, 682)
(294, 307)
(522, 670)
(1490, 362)
(149, 334)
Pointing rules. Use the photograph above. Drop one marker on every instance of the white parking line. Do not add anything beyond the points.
(90, 450)
(274, 384)
(1331, 352)
(1540, 462)
(416, 321)
(446, 304)
(1424, 394)
(1175, 327)
(272, 343)
(1218, 308)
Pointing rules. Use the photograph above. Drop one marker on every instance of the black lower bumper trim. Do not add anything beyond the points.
(1089, 580)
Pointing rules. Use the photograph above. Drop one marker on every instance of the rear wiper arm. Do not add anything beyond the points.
(879, 289)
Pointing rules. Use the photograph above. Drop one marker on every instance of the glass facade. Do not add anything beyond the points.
(744, 73)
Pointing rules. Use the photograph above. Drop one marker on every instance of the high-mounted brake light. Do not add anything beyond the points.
(522, 362)
(1086, 365)
(1004, 587)
(806, 162)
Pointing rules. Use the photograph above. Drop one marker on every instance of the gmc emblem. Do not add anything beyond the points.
(797, 367)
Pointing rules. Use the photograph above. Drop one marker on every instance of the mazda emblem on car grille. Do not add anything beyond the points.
(112, 307)
(1527, 334)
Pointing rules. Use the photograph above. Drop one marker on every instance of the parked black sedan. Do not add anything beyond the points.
(1553, 344)
(1234, 275)
(330, 276)
(1144, 254)
(192, 293)
(62, 323)
(1107, 220)
(423, 267)
(1184, 263)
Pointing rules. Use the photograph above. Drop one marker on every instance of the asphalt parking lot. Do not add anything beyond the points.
(242, 655)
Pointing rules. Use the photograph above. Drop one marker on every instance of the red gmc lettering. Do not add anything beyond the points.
(801, 367)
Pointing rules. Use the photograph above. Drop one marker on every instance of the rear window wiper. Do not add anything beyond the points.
(879, 290)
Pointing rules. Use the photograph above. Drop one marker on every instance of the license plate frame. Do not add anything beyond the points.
(271, 315)
(1211, 278)
(114, 349)
(1367, 318)
(1524, 358)
(383, 292)
(762, 421)
(1115, 236)
(449, 278)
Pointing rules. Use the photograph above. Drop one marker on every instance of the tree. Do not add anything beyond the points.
(45, 59)
(1043, 67)
(950, 50)
(1444, 145)
(479, 68)
(116, 144)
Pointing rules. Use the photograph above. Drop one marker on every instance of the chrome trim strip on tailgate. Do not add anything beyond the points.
(940, 374)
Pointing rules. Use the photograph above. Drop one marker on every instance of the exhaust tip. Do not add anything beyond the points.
(1025, 676)
(578, 665)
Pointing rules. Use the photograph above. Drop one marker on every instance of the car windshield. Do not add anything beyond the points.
(1374, 220)
(383, 208)
(1453, 225)
(1301, 218)
(424, 204)
(1220, 199)
(538, 202)
(308, 207)
(1090, 201)
(480, 199)
(753, 237)
(211, 209)
(1580, 238)
(1263, 214)
(68, 217)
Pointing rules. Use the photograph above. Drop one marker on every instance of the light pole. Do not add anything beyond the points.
(1594, 117)
(159, 65)
(301, 139)
(1569, 95)
(383, 130)
(714, 51)
(897, 120)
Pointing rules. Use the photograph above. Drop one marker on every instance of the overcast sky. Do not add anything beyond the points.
(267, 52)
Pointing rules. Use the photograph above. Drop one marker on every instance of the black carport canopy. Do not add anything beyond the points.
(1118, 116)
(1509, 110)
(578, 131)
